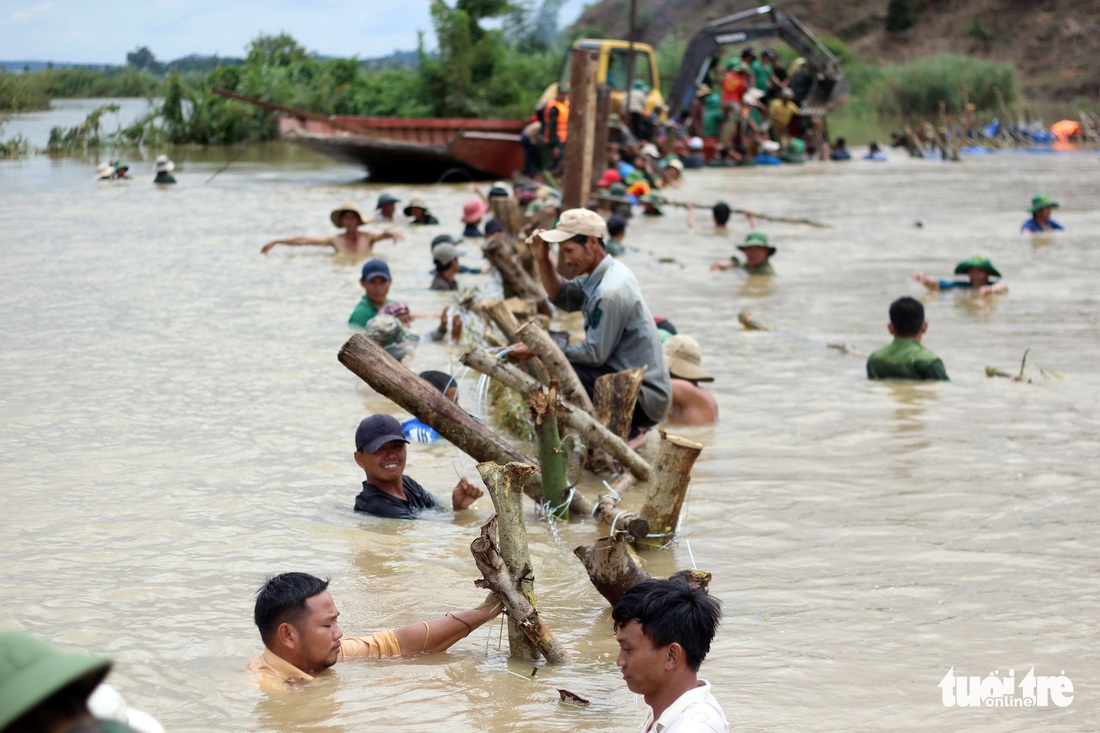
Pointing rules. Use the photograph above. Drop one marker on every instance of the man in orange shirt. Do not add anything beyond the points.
(297, 617)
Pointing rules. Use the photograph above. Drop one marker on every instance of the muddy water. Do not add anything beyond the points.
(174, 427)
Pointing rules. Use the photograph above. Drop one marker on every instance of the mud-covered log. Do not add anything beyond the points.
(671, 476)
(497, 578)
(611, 567)
(615, 396)
(571, 415)
(392, 379)
(557, 366)
(499, 313)
(505, 486)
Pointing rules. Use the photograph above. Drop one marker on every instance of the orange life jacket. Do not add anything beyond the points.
(563, 120)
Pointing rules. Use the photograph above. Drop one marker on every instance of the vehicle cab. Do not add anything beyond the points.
(613, 59)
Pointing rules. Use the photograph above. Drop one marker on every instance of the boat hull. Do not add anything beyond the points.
(414, 150)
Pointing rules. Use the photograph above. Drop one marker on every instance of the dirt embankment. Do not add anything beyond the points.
(1052, 43)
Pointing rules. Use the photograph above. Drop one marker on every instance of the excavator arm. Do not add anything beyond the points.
(829, 90)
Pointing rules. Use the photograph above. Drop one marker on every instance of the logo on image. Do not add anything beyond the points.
(1003, 691)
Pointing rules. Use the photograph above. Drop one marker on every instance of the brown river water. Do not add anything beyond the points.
(175, 427)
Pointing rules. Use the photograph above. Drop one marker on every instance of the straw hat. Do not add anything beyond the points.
(416, 202)
(337, 213)
(164, 164)
(684, 358)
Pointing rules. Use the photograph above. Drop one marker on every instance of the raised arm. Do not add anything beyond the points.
(297, 241)
(928, 282)
(441, 633)
(397, 237)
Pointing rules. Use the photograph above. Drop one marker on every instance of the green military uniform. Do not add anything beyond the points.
(755, 239)
(905, 359)
(615, 248)
(164, 177)
(363, 312)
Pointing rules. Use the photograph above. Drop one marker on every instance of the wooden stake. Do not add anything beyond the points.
(497, 251)
(611, 567)
(615, 397)
(580, 138)
(672, 474)
(603, 134)
(392, 379)
(505, 485)
(506, 321)
(557, 366)
(498, 579)
(571, 415)
(553, 451)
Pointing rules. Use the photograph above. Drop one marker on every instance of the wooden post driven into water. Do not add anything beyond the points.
(505, 485)
(603, 133)
(581, 134)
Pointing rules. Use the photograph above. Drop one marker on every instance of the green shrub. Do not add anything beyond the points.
(916, 88)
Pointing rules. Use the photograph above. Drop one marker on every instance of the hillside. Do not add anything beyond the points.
(1049, 41)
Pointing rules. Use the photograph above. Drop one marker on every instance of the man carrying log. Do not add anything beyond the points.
(380, 451)
(618, 327)
(297, 617)
(664, 629)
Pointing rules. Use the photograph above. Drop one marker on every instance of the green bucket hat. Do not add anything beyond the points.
(979, 261)
(31, 670)
(387, 332)
(1041, 202)
(756, 239)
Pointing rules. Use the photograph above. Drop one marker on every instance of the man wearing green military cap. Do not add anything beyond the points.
(757, 256)
(1040, 221)
(905, 357)
(979, 272)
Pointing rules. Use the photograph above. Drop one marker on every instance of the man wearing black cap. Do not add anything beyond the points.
(380, 450)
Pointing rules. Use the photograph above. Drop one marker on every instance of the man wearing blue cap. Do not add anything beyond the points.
(376, 282)
(380, 450)
(386, 206)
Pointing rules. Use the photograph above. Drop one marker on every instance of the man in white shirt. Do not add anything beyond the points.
(664, 629)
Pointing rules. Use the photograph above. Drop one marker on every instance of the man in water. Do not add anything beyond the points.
(758, 255)
(619, 332)
(664, 629)
(350, 240)
(691, 404)
(376, 281)
(380, 450)
(906, 358)
(979, 272)
(1041, 208)
(297, 619)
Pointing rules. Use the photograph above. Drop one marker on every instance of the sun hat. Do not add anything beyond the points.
(104, 170)
(385, 199)
(337, 213)
(684, 358)
(752, 96)
(638, 188)
(499, 190)
(493, 226)
(635, 176)
(377, 430)
(164, 164)
(733, 65)
(1042, 201)
(703, 90)
(609, 176)
(576, 222)
(787, 93)
(31, 670)
(695, 143)
(387, 332)
(445, 254)
(771, 146)
(473, 210)
(676, 163)
(617, 189)
(416, 202)
(120, 166)
(375, 268)
(651, 150)
(980, 262)
(445, 239)
(756, 239)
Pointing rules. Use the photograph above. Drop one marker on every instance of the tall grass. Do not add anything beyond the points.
(918, 87)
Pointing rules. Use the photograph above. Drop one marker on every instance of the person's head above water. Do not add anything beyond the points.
(907, 317)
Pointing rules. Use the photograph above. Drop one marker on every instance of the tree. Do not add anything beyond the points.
(142, 58)
(900, 16)
(280, 50)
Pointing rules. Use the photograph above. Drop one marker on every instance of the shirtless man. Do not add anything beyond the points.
(351, 240)
(691, 404)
